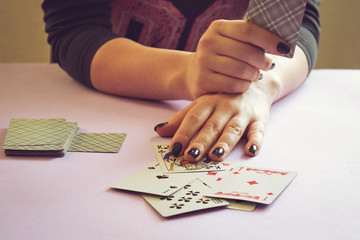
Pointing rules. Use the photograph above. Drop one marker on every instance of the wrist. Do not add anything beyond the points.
(270, 87)
(178, 83)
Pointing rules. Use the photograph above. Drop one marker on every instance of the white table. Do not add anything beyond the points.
(315, 131)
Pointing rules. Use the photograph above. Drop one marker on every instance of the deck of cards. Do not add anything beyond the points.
(54, 137)
(173, 186)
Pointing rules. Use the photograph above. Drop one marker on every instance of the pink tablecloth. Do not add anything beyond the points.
(315, 131)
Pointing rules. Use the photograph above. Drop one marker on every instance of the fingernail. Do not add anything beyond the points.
(253, 149)
(219, 152)
(194, 152)
(261, 76)
(160, 125)
(272, 66)
(176, 149)
(283, 48)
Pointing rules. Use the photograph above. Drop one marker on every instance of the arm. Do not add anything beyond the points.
(123, 67)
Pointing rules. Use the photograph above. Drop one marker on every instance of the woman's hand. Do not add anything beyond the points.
(214, 124)
(229, 56)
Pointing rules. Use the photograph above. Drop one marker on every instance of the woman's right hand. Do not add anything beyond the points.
(229, 56)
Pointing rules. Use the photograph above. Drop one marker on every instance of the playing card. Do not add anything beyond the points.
(241, 205)
(188, 199)
(171, 164)
(281, 17)
(152, 180)
(252, 184)
(97, 142)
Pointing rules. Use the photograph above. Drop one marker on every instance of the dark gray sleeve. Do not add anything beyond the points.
(76, 30)
(310, 32)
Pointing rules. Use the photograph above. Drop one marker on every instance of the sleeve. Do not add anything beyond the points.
(76, 30)
(310, 32)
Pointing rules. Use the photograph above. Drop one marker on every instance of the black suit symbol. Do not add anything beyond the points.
(162, 176)
(177, 206)
(168, 198)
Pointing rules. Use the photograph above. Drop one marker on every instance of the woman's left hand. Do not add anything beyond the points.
(215, 123)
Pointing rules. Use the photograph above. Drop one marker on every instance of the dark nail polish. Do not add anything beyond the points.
(261, 76)
(160, 125)
(176, 149)
(194, 152)
(283, 48)
(219, 152)
(253, 149)
(272, 66)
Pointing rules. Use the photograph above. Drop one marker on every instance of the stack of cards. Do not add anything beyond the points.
(54, 137)
(174, 186)
(39, 137)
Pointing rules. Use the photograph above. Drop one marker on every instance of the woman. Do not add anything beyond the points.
(178, 49)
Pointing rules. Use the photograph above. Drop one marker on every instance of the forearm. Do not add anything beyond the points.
(288, 75)
(123, 67)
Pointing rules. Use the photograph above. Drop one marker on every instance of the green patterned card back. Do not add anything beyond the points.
(27, 132)
(97, 142)
(58, 150)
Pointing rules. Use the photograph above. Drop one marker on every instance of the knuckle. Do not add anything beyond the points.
(205, 41)
(212, 128)
(231, 105)
(194, 116)
(247, 29)
(217, 24)
(236, 128)
(256, 131)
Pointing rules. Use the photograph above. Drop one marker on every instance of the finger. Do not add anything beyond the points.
(245, 52)
(188, 128)
(168, 128)
(255, 137)
(231, 135)
(234, 68)
(223, 83)
(207, 136)
(246, 31)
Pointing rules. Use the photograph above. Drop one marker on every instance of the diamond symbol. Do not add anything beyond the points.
(252, 182)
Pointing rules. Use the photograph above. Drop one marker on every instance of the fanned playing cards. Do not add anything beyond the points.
(173, 186)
